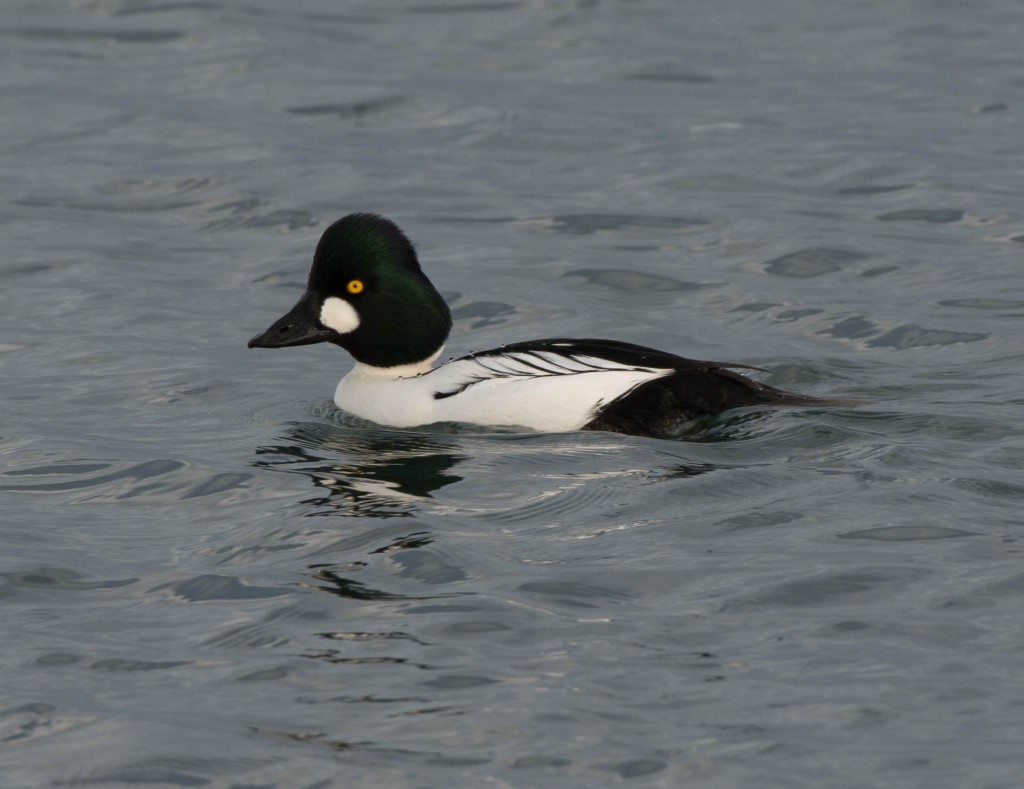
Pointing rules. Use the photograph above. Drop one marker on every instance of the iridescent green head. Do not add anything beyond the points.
(366, 293)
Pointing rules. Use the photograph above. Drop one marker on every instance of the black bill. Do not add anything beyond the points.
(301, 326)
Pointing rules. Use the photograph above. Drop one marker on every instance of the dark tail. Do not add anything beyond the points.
(658, 407)
(724, 386)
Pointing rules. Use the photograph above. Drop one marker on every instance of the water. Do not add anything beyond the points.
(211, 578)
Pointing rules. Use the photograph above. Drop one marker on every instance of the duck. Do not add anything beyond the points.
(367, 293)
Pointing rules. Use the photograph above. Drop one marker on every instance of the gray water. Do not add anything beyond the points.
(211, 578)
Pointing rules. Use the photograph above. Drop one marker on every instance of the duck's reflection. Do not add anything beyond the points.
(332, 582)
(380, 474)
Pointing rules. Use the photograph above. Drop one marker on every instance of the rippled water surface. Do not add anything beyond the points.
(210, 577)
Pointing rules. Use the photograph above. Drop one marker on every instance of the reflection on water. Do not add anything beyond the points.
(371, 474)
(335, 584)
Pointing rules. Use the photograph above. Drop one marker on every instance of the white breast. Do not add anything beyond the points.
(545, 392)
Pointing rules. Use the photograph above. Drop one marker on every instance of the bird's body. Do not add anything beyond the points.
(368, 294)
(545, 385)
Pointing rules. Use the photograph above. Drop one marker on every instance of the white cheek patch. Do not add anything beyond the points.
(339, 315)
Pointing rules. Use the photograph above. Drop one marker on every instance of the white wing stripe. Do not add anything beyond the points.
(528, 364)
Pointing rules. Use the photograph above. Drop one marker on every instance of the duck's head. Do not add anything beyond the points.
(366, 293)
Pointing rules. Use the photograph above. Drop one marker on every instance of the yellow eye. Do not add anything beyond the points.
(355, 286)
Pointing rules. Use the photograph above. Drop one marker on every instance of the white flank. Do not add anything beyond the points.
(339, 315)
(563, 395)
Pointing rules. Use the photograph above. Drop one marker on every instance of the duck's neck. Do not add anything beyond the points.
(399, 370)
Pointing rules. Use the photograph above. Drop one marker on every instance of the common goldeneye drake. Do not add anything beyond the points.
(368, 294)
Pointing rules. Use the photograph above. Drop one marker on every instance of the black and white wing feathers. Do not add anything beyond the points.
(667, 391)
(542, 358)
(622, 355)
